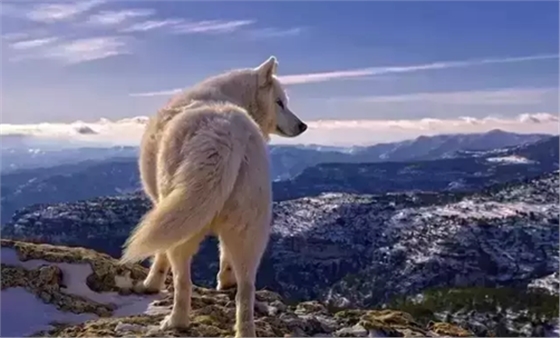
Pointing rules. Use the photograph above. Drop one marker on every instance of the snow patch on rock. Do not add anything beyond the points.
(17, 303)
(24, 314)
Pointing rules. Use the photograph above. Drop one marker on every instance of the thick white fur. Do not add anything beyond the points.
(204, 164)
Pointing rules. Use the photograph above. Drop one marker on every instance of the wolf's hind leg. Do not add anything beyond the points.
(226, 276)
(244, 250)
(180, 258)
(155, 280)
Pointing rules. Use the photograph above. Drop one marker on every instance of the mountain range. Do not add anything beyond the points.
(468, 171)
(465, 237)
(300, 171)
(351, 250)
(21, 152)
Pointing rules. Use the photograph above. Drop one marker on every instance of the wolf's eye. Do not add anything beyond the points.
(280, 103)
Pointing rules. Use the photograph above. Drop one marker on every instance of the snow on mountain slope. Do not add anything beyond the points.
(400, 243)
(504, 236)
(510, 160)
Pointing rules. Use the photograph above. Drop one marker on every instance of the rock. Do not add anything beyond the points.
(80, 292)
(310, 307)
(353, 331)
(446, 329)
(550, 283)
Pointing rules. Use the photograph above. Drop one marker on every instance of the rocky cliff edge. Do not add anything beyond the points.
(61, 291)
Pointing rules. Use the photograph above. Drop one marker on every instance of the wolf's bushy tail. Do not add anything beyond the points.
(201, 186)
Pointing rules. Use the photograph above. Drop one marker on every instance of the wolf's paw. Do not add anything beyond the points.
(174, 322)
(247, 330)
(226, 286)
(146, 289)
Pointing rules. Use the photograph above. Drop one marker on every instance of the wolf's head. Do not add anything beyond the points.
(272, 112)
(255, 89)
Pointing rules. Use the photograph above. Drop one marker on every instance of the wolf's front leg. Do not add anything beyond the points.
(156, 277)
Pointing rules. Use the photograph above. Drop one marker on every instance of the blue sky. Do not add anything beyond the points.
(377, 61)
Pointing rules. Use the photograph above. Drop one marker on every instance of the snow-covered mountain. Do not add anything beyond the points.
(360, 250)
(26, 152)
(289, 161)
(44, 157)
(464, 173)
(71, 182)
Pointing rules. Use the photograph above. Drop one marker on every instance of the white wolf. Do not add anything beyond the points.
(204, 164)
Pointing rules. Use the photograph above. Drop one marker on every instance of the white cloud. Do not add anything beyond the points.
(271, 32)
(149, 25)
(211, 26)
(375, 71)
(82, 50)
(537, 118)
(109, 18)
(181, 26)
(364, 132)
(507, 96)
(161, 93)
(14, 36)
(71, 51)
(54, 12)
(121, 132)
(35, 43)
(328, 132)
(327, 76)
(31, 34)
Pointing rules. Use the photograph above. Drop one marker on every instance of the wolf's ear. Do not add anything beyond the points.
(266, 70)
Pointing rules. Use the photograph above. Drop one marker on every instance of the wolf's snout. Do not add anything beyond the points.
(302, 127)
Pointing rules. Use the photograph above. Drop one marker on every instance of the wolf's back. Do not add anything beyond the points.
(200, 178)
